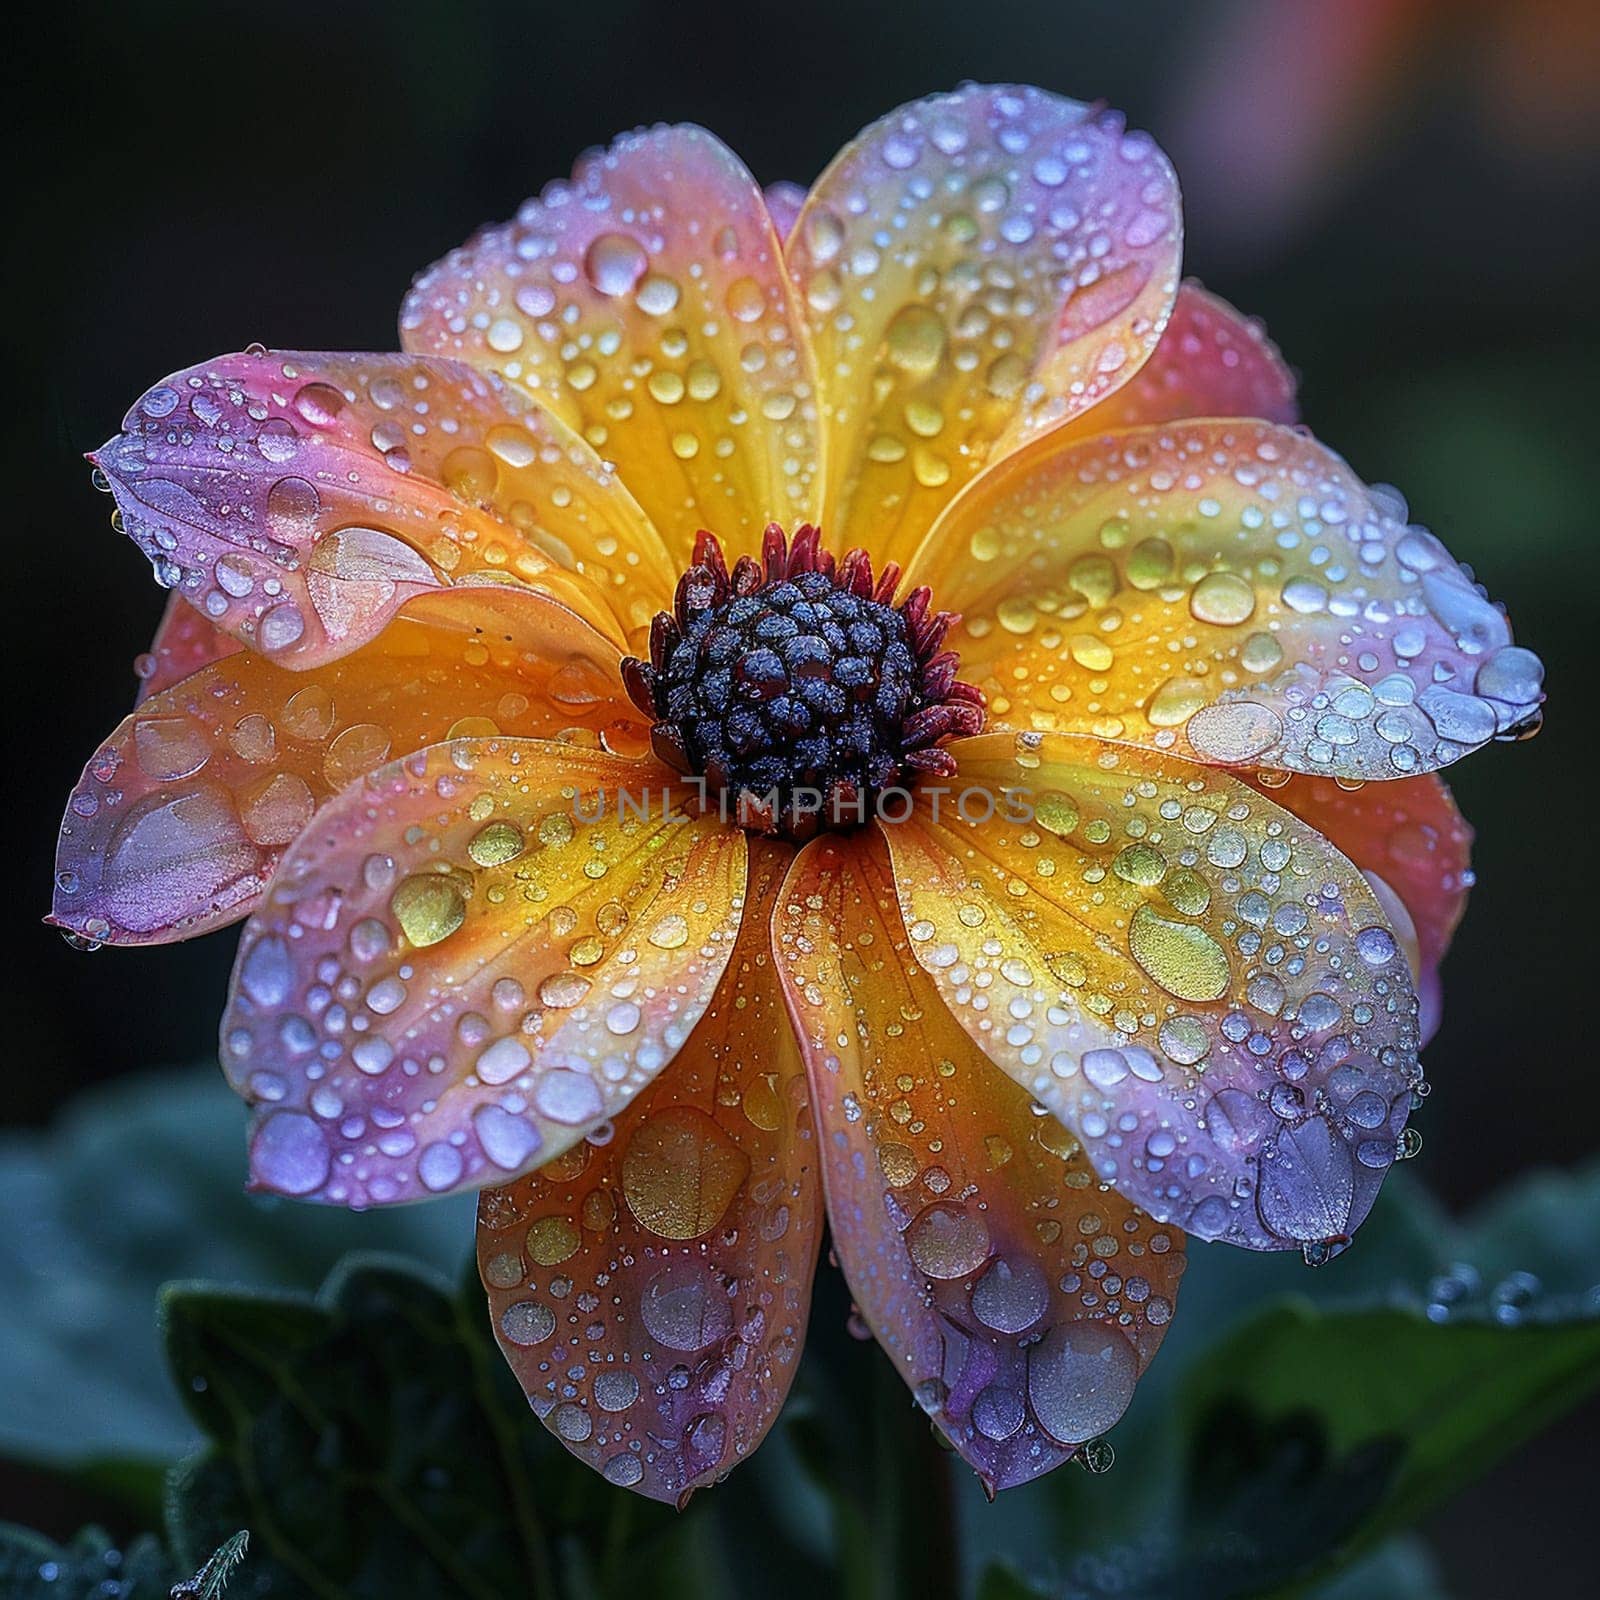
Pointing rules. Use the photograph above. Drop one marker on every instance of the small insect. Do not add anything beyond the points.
(209, 1581)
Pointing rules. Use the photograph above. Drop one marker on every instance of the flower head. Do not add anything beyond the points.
(861, 700)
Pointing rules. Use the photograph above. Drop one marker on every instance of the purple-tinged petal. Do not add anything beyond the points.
(976, 268)
(784, 202)
(299, 501)
(456, 974)
(650, 1292)
(181, 816)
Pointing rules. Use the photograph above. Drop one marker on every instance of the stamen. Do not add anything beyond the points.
(797, 687)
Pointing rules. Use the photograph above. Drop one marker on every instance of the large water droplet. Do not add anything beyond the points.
(681, 1172)
(1080, 1380)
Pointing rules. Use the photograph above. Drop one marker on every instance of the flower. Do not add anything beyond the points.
(1152, 966)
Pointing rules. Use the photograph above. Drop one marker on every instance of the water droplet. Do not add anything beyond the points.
(947, 1240)
(1010, 1298)
(614, 263)
(429, 907)
(681, 1172)
(496, 844)
(527, 1322)
(1080, 1380)
(289, 1153)
(1183, 958)
(684, 1308)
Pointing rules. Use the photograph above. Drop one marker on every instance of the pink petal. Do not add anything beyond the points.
(1211, 362)
(184, 643)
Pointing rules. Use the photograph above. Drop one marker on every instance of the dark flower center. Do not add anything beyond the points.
(797, 687)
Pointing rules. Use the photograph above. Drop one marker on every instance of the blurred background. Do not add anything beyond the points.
(1403, 189)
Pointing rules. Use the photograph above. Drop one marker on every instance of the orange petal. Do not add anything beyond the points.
(182, 814)
(1415, 850)
(185, 642)
(650, 1291)
(645, 302)
(468, 963)
(1228, 590)
(1211, 362)
(299, 501)
(1018, 1297)
(1199, 985)
(977, 268)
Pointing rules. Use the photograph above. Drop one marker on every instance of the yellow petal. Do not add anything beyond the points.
(650, 1292)
(469, 962)
(976, 268)
(299, 501)
(1228, 590)
(1193, 980)
(645, 303)
(181, 816)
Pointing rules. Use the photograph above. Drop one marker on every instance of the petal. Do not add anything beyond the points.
(784, 201)
(1018, 1297)
(1194, 981)
(182, 814)
(300, 500)
(1229, 591)
(651, 1291)
(1415, 850)
(455, 976)
(185, 642)
(1211, 362)
(977, 268)
(645, 303)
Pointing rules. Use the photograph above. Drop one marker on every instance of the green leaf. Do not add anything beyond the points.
(1403, 1569)
(999, 1582)
(35, 1568)
(1547, 1225)
(374, 1443)
(1369, 1417)
(141, 1182)
(349, 1433)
